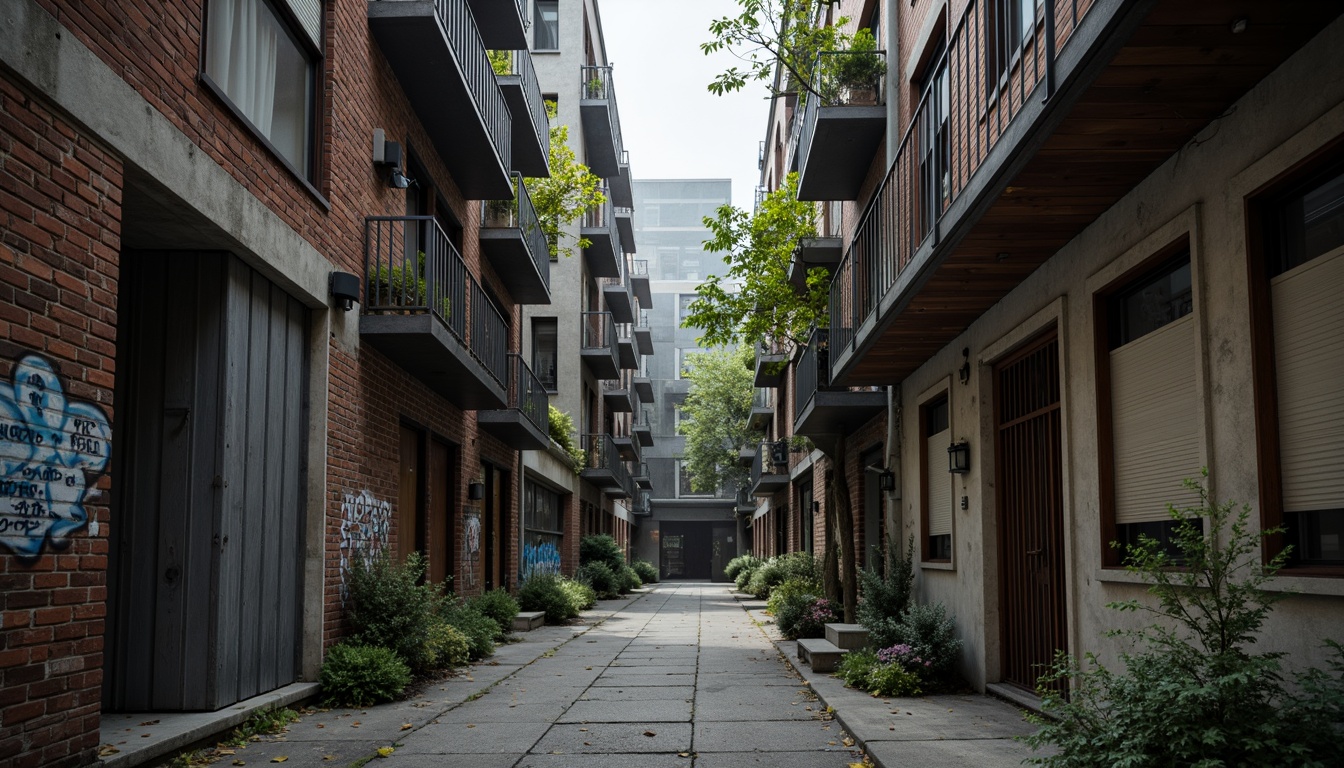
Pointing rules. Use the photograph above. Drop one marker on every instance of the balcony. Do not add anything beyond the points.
(641, 429)
(1030, 151)
(771, 363)
(598, 345)
(625, 228)
(639, 473)
(843, 123)
(601, 122)
(746, 455)
(429, 315)
(436, 53)
(626, 355)
(639, 283)
(644, 389)
(622, 193)
(643, 333)
(744, 504)
(603, 466)
(603, 254)
(524, 424)
(617, 396)
(513, 240)
(531, 134)
(626, 447)
(616, 294)
(770, 468)
(821, 409)
(503, 23)
(814, 252)
(762, 412)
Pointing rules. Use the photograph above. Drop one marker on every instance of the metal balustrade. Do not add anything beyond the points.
(528, 394)
(521, 66)
(598, 84)
(465, 38)
(520, 213)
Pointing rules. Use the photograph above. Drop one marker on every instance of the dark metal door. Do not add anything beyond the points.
(1030, 503)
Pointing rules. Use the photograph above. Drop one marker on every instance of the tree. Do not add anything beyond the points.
(562, 198)
(714, 418)
(754, 302)
(770, 35)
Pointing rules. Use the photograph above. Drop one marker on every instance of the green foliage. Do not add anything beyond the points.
(932, 636)
(799, 609)
(581, 596)
(1191, 692)
(739, 564)
(499, 605)
(480, 630)
(859, 68)
(562, 599)
(404, 286)
(263, 722)
(714, 417)
(601, 548)
(646, 571)
(772, 34)
(387, 606)
(362, 675)
(795, 566)
(501, 62)
(629, 579)
(561, 198)
(561, 429)
(447, 646)
(601, 578)
(885, 596)
(892, 679)
(754, 301)
(856, 666)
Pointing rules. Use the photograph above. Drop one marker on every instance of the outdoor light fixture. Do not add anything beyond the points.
(887, 481)
(1239, 25)
(816, 508)
(387, 154)
(475, 491)
(959, 458)
(345, 289)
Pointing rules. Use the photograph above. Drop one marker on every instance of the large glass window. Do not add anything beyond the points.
(260, 66)
(1011, 23)
(547, 30)
(937, 481)
(543, 529)
(544, 354)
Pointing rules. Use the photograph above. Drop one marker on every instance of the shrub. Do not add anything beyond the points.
(601, 578)
(448, 647)
(499, 605)
(647, 572)
(601, 549)
(362, 675)
(629, 579)
(799, 566)
(560, 427)
(855, 667)
(739, 564)
(885, 596)
(932, 636)
(479, 629)
(798, 610)
(547, 592)
(1191, 692)
(581, 597)
(388, 607)
(892, 679)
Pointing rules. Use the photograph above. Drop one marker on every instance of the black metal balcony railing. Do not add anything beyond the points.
(969, 104)
(411, 267)
(599, 332)
(597, 84)
(813, 371)
(460, 26)
(602, 215)
(772, 457)
(528, 394)
(603, 461)
(759, 197)
(639, 269)
(835, 84)
(521, 214)
(520, 66)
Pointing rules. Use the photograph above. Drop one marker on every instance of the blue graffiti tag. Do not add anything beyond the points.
(52, 451)
(540, 558)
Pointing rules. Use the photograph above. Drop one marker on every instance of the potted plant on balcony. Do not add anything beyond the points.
(858, 72)
(402, 286)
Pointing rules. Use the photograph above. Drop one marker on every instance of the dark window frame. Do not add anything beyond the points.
(931, 551)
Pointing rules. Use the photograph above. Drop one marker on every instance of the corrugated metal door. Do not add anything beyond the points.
(208, 502)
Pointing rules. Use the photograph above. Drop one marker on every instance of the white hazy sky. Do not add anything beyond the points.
(672, 125)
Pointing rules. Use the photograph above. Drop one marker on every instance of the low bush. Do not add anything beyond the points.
(448, 647)
(629, 580)
(548, 592)
(884, 596)
(799, 611)
(893, 679)
(739, 564)
(855, 667)
(581, 596)
(480, 630)
(932, 636)
(601, 549)
(499, 605)
(362, 675)
(888, 672)
(601, 578)
(647, 572)
(388, 607)
(796, 566)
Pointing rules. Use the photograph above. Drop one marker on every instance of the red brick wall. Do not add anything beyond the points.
(60, 199)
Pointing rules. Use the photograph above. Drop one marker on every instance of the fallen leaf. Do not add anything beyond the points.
(240, 762)
(107, 749)
(355, 724)
(587, 743)
(683, 754)
(650, 733)
(406, 726)
(832, 743)
(857, 765)
(321, 725)
(149, 722)
(581, 730)
(385, 751)
(848, 742)
(225, 752)
(471, 725)
(328, 757)
(279, 759)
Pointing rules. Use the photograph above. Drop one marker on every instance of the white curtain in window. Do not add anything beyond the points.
(939, 483)
(241, 52)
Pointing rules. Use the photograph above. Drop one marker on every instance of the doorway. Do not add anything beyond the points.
(493, 523)
(1028, 475)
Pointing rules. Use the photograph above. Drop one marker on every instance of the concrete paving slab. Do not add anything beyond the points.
(670, 692)
(939, 717)
(463, 739)
(717, 710)
(981, 753)
(635, 681)
(503, 711)
(769, 736)
(533, 692)
(649, 711)
(401, 759)
(648, 669)
(610, 738)
(830, 759)
(604, 761)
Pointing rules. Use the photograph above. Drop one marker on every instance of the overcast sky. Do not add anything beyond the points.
(674, 127)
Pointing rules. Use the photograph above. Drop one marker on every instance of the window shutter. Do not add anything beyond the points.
(1154, 416)
(309, 14)
(1309, 359)
(940, 484)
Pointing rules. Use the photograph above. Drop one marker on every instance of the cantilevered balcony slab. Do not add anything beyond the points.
(617, 397)
(769, 469)
(421, 345)
(616, 292)
(639, 282)
(770, 366)
(745, 456)
(502, 23)
(644, 389)
(640, 475)
(836, 155)
(627, 356)
(436, 54)
(531, 135)
(513, 241)
(601, 122)
(643, 433)
(760, 417)
(627, 447)
(622, 192)
(625, 228)
(604, 467)
(838, 411)
(524, 425)
(603, 254)
(814, 252)
(598, 345)
(644, 339)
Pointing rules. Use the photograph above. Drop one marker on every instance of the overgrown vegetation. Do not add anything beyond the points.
(561, 429)
(560, 598)
(388, 607)
(741, 568)
(884, 595)
(480, 631)
(794, 566)
(1192, 692)
(362, 675)
(800, 610)
(499, 605)
(602, 566)
(714, 417)
(646, 571)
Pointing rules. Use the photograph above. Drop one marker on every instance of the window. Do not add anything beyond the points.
(684, 360)
(266, 73)
(1149, 370)
(543, 529)
(1298, 268)
(1011, 26)
(935, 187)
(937, 432)
(544, 355)
(684, 484)
(547, 33)
(684, 306)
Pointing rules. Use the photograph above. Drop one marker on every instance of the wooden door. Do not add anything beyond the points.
(1031, 516)
(440, 498)
(493, 524)
(410, 537)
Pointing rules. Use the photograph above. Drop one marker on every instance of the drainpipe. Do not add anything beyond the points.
(895, 518)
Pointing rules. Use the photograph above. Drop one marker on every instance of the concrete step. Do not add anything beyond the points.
(819, 654)
(526, 621)
(849, 637)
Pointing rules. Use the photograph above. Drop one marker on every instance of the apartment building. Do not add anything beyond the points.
(605, 290)
(1083, 250)
(265, 269)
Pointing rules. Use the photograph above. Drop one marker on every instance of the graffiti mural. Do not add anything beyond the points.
(471, 545)
(53, 450)
(541, 557)
(365, 524)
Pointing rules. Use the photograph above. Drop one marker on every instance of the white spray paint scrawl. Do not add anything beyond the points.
(52, 452)
(365, 524)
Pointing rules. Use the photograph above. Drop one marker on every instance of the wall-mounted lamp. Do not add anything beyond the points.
(345, 289)
(964, 373)
(475, 491)
(959, 458)
(886, 481)
(816, 508)
(387, 154)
